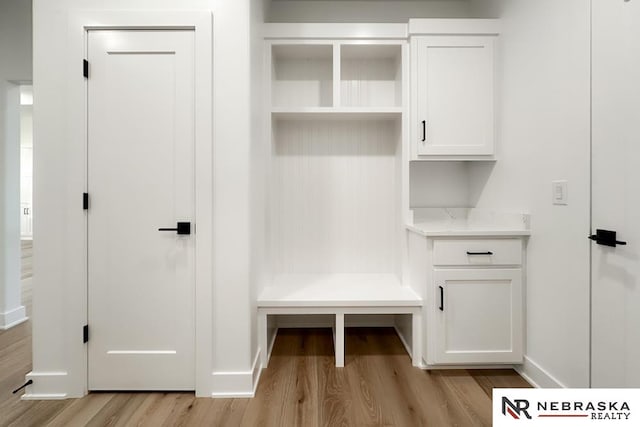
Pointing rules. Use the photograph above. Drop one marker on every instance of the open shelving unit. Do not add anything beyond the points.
(340, 79)
(336, 183)
(336, 126)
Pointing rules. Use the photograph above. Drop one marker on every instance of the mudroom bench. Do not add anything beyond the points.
(337, 295)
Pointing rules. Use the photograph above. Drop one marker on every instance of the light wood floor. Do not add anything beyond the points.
(301, 387)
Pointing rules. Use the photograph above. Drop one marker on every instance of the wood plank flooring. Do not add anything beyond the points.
(302, 387)
(27, 258)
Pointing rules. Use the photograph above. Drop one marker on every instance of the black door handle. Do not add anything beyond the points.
(424, 130)
(441, 298)
(606, 238)
(181, 228)
(480, 253)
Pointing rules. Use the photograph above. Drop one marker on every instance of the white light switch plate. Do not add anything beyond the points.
(559, 195)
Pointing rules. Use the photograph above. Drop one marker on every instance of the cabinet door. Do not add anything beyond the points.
(478, 316)
(455, 96)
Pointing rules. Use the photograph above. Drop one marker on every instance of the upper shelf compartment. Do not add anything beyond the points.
(302, 76)
(342, 71)
(371, 75)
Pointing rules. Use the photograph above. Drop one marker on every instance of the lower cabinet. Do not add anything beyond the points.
(474, 299)
(478, 316)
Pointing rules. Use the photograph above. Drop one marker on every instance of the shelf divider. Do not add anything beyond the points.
(337, 92)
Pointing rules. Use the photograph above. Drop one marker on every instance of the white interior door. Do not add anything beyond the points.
(140, 178)
(616, 193)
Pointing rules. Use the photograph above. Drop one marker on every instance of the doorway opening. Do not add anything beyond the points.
(26, 162)
(26, 182)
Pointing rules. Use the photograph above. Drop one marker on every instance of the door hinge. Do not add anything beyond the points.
(85, 201)
(85, 333)
(85, 68)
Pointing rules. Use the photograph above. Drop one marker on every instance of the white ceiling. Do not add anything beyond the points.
(369, 0)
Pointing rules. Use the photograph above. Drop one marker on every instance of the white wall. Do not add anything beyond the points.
(544, 136)
(56, 331)
(259, 159)
(439, 184)
(15, 67)
(365, 11)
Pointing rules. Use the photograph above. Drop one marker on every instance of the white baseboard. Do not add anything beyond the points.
(257, 371)
(13, 318)
(51, 396)
(537, 376)
(46, 386)
(240, 384)
(428, 367)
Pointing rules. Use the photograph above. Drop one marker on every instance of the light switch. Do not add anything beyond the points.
(559, 192)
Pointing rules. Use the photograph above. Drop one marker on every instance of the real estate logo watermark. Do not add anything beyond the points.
(566, 407)
(516, 409)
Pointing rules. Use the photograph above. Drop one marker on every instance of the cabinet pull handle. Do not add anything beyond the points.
(424, 130)
(441, 307)
(480, 253)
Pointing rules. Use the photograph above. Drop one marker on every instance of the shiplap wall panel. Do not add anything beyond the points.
(369, 83)
(335, 196)
(371, 75)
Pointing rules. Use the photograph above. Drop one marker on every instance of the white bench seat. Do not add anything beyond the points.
(338, 294)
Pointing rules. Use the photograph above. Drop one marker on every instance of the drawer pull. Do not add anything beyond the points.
(480, 253)
(441, 298)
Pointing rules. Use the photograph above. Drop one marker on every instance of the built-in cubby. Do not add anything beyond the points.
(370, 75)
(337, 189)
(336, 179)
(302, 75)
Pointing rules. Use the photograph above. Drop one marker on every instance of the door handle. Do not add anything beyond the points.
(606, 238)
(480, 253)
(181, 228)
(424, 130)
(441, 307)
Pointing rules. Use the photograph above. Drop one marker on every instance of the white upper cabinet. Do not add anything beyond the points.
(455, 95)
(453, 89)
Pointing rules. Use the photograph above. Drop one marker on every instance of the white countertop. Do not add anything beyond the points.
(452, 222)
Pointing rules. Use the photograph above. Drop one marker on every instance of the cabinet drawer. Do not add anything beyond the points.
(477, 252)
